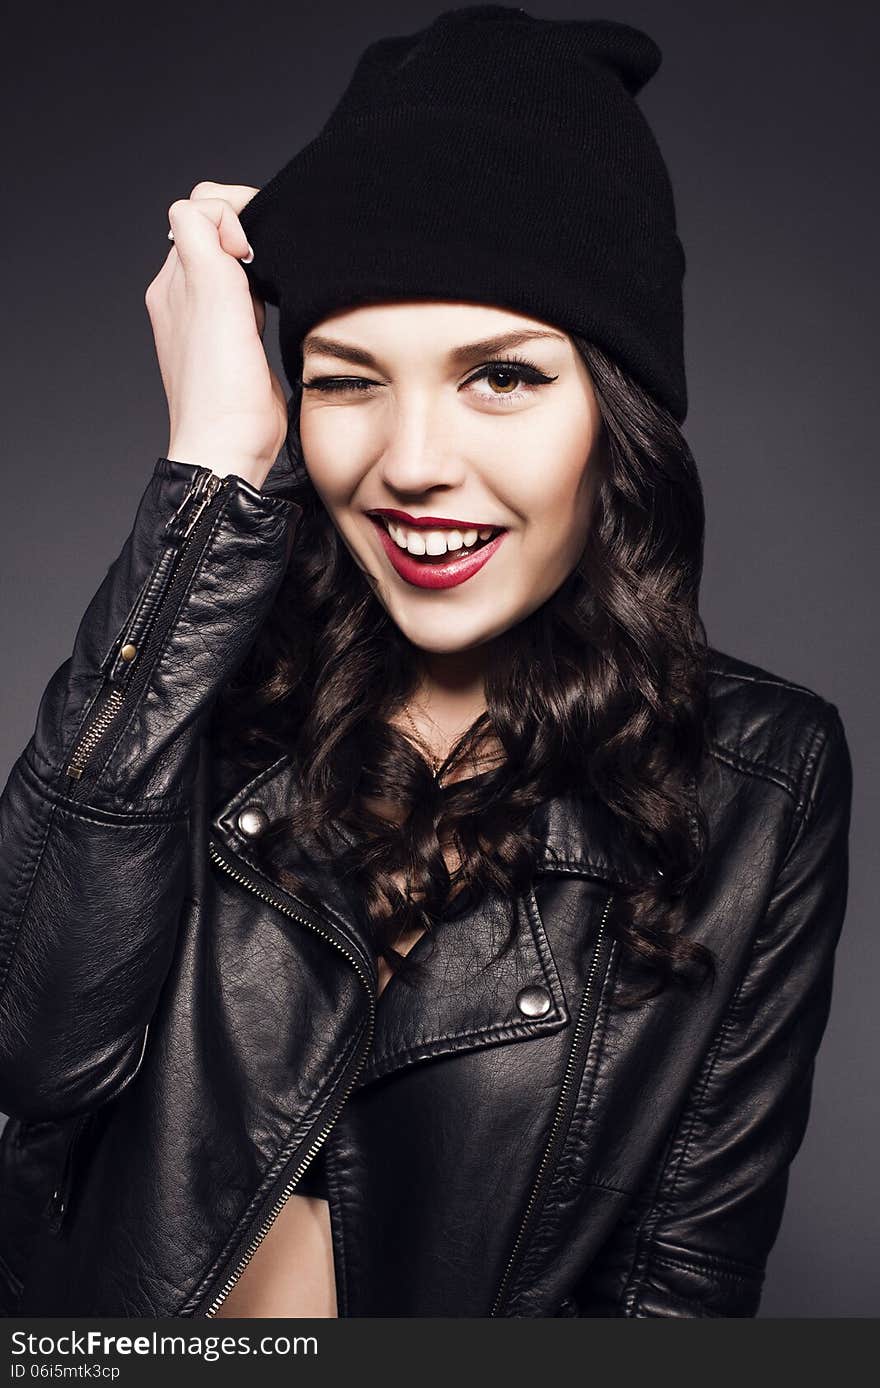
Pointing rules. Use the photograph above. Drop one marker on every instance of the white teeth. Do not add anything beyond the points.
(435, 542)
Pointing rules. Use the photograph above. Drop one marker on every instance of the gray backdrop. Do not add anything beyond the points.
(764, 112)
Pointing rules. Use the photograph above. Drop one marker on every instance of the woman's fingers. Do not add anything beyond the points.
(199, 223)
(238, 195)
(218, 204)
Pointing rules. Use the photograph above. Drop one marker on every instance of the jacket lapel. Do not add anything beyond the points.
(466, 994)
(267, 796)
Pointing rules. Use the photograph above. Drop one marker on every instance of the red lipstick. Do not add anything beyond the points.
(426, 522)
(446, 574)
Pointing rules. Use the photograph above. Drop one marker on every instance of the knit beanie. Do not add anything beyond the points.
(491, 157)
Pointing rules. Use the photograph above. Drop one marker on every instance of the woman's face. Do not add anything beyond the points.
(467, 417)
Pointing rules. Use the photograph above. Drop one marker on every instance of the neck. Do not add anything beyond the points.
(451, 686)
(448, 696)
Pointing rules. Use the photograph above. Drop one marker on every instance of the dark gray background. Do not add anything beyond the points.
(765, 114)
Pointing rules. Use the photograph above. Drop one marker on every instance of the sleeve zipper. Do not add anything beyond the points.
(131, 666)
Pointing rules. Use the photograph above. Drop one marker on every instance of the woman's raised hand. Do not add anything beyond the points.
(227, 409)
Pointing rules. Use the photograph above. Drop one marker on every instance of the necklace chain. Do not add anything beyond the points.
(435, 764)
(423, 742)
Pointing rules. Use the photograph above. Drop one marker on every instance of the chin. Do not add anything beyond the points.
(443, 637)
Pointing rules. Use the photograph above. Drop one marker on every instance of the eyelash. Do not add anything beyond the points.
(518, 365)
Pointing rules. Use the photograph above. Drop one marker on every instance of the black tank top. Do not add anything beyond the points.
(314, 1179)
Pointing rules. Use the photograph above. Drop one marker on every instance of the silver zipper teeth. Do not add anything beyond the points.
(78, 761)
(202, 488)
(566, 1083)
(315, 1147)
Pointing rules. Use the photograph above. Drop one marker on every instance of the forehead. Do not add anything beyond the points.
(438, 326)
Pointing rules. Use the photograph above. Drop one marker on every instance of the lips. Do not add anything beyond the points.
(441, 573)
(429, 522)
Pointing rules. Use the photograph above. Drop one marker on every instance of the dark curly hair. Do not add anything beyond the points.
(601, 691)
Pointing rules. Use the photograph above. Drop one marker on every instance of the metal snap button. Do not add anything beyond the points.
(252, 820)
(533, 1001)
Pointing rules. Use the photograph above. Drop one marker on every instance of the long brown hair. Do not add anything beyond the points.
(600, 691)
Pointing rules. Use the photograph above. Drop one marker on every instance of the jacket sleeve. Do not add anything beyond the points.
(95, 815)
(697, 1242)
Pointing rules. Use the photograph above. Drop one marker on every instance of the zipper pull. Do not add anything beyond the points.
(197, 496)
(57, 1207)
(209, 491)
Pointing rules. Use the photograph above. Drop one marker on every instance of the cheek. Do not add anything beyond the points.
(329, 457)
(316, 442)
(555, 485)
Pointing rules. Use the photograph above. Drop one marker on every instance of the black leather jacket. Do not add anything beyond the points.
(179, 1037)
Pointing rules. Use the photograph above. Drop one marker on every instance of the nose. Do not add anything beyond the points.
(420, 453)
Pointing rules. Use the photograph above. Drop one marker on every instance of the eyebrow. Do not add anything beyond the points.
(459, 356)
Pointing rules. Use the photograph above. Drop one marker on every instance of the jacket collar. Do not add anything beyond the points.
(578, 834)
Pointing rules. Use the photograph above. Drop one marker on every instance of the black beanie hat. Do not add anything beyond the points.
(491, 157)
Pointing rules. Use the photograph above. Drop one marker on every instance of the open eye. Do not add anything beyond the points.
(505, 375)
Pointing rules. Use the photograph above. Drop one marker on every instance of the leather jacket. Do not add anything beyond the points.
(179, 1037)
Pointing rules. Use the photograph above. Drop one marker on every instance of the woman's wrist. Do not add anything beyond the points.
(252, 470)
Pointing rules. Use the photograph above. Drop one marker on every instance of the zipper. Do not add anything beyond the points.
(60, 1201)
(61, 1194)
(188, 525)
(577, 1055)
(320, 1139)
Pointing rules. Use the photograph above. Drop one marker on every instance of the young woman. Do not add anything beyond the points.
(405, 912)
